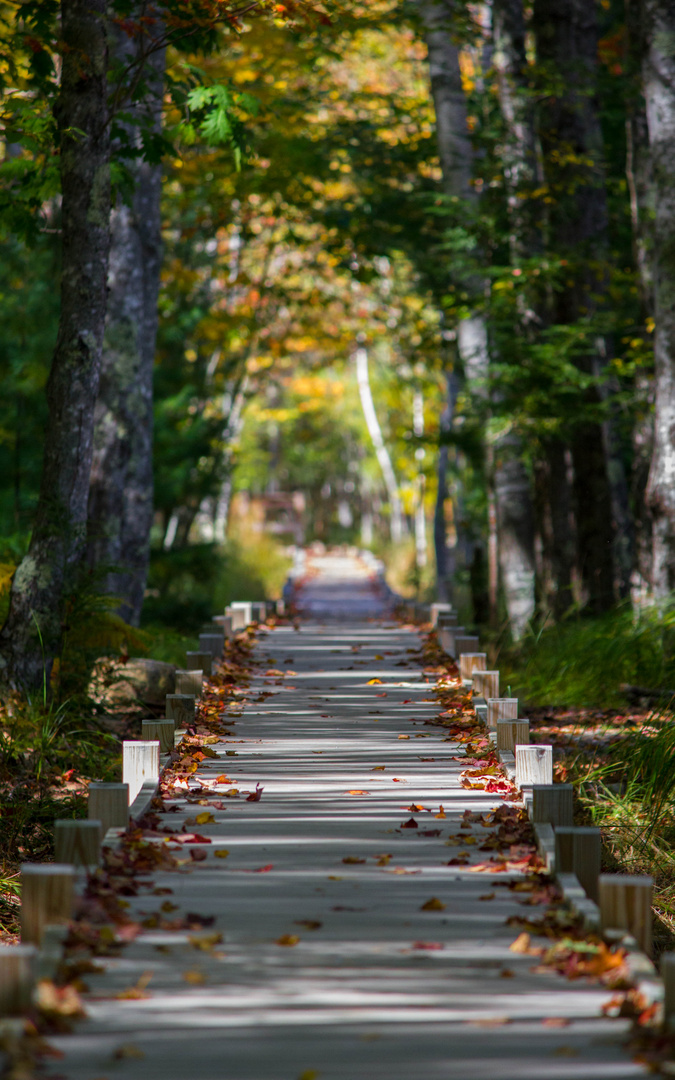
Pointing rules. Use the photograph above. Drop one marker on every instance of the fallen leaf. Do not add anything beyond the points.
(221, 853)
(556, 1021)
(194, 978)
(309, 924)
(356, 791)
(382, 860)
(204, 819)
(410, 824)
(428, 945)
(256, 795)
(521, 945)
(197, 855)
(288, 940)
(378, 768)
(433, 905)
(441, 813)
(487, 896)
(374, 682)
(353, 859)
(128, 1050)
(309, 1074)
(205, 942)
(378, 657)
(404, 736)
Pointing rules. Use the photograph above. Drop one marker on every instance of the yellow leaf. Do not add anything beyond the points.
(204, 819)
(374, 682)
(288, 939)
(194, 978)
(433, 905)
(221, 853)
(441, 812)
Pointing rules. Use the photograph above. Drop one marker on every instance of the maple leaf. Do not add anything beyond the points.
(410, 824)
(256, 795)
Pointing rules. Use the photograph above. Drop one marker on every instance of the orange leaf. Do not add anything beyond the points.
(288, 940)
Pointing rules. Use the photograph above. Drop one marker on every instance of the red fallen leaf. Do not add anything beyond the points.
(430, 832)
(429, 945)
(189, 838)
(197, 855)
(458, 861)
(256, 795)
(410, 824)
(556, 1021)
(68, 775)
(259, 870)
(381, 695)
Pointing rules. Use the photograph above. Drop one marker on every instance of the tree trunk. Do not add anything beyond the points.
(49, 570)
(566, 35)
(381, 452)
(121, 485)
(659, 87)
(456, 152)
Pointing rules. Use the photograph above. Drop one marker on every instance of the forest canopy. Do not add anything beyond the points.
(396, 274)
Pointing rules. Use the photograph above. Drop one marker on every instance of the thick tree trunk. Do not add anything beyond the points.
(50, 568)
(659, 87)
(566, 35)
(121, 486)
(445, 557)
(456, 153)
(557, 542)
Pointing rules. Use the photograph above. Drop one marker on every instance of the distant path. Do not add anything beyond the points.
(341, 587)
(374, 986)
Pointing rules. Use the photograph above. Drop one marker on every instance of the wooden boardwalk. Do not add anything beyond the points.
(375, 986)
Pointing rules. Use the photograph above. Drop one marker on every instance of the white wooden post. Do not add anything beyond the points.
(625, 902)
(534, 765)
(470, 663)
(46, 897)
(189, 682)
(505, 708)
(181, 709)
(244, 607)
(77, 842)
(198, 661)
(162, 730)
(18, 971)
(213, 644)
(486, 684)
(438, 609)
(511, 733)
(578, 851)
(553, 804)
(140, 762)
(109, 804)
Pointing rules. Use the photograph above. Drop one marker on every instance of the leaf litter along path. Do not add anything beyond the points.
(350, 948)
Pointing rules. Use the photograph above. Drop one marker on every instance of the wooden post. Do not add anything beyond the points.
(486, 684)
(464, 644)
(578, 851)
(189, 682)
(471, 662)
(213, 644)
(668, 975)
(534, 765)
(18, 964)
(198, 661)
(243, 606)
(259, 611)
(511, 733)
(140, 762)
(237, 618)
(109, 804)
(553, 804)
(162, 730)
(77, 842)
(181, 709)
(439, 609)
(46, 897)
(625, 902)
(505, 708)
(225, 622)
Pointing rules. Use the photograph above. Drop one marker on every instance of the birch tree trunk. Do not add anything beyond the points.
(509, 491)
(382, 454)
(50, 568)
(658, 20)
(121, 484)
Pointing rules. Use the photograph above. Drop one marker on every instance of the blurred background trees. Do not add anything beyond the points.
(507, 269)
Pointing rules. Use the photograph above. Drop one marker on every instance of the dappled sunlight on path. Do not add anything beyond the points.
(329, 966)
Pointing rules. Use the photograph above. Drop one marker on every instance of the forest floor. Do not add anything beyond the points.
(338, 882)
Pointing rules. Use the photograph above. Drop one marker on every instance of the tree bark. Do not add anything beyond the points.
(658, 20)
(49, 570)
(566, 35)
(121, 484)
(381, 452)
(456, 154)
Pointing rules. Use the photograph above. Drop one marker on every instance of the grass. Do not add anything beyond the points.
(583, 662)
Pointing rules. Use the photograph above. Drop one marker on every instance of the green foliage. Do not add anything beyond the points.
(584, 661)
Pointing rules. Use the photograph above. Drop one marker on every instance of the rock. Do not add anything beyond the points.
(133, 685)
